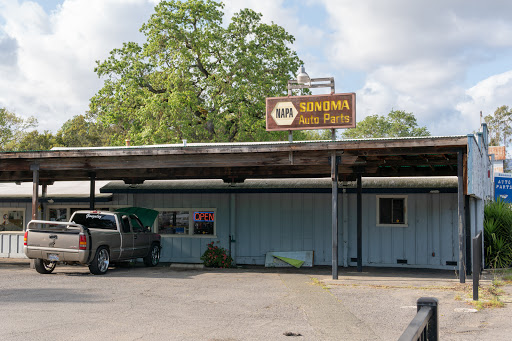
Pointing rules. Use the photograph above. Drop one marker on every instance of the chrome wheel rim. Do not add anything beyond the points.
(155, 255)
(103, 260)
(48, 266)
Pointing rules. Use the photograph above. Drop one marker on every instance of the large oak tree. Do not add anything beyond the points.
(13, 128)
(500, 126)
(397, 123)
(195, 78)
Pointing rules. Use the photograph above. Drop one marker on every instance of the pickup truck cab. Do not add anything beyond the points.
(93, 238)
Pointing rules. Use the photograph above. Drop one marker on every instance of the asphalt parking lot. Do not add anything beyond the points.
(253, 303)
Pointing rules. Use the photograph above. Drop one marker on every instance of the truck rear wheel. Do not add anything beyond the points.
(153, 257)
(44, 266)
(101, 261)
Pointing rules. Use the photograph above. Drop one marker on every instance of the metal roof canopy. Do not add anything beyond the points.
(425, 156)
(344, 160)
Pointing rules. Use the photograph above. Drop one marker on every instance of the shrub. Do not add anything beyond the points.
(498, 234)
(216, 257)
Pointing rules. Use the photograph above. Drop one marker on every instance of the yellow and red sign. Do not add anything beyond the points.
(311, 112)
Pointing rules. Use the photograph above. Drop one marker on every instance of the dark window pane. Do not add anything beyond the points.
(136, 224)
(96, 221)
(385, 210)
(398, 211)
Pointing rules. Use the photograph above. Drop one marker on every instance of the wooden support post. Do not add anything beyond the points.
(44, 193)
(92, 195)
(359, 224)
(461, 214)
(35, 190)
(334, 178)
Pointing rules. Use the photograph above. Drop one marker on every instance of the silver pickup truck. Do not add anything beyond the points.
(93, 238)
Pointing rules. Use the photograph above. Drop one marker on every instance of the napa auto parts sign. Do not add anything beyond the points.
(311, 112)
(503, 187)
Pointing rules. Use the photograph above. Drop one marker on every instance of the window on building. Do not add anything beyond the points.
(58, 214)
(187, 222)
(12, 219)
(63, 213)
(392, 210)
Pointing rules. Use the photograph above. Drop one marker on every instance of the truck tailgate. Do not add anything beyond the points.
(54, 239)
(59, 242)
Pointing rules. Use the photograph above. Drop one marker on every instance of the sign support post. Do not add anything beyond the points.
(315, 112)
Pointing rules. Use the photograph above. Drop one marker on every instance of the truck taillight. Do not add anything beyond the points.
(83, 242)
(25, 238)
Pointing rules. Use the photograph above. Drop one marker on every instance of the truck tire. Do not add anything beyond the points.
(44, 266)
(100, 262)
(153, 257)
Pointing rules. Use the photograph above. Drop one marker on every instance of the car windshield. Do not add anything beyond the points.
(96, 220)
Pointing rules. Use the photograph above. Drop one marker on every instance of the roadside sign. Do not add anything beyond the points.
(311, 112)
(503, 187)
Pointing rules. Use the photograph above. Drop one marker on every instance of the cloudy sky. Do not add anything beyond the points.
(445, 61)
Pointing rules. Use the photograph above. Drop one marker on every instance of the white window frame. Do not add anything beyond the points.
(23, 210)
(190, 223)
(390, 196)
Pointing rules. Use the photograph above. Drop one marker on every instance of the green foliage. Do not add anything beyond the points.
(216, 257)
(13, 129)
(195, 78)
(82, 132)
(500, 126)
(397, 123)
(36, 141)
(316, 135)
(498, 234)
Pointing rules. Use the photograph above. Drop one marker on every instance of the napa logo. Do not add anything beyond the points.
(284, 113)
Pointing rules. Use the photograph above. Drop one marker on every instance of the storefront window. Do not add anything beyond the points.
(173, 222)
(204, 222)
(58, 214)
(186, 222)
(11, 219)
(64, 213)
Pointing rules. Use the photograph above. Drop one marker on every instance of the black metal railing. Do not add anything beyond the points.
(425, 325)
(477, 263)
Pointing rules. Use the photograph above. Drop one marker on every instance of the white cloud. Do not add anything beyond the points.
(371, 33)
(417, 55)
(487, 95)
(51, 74)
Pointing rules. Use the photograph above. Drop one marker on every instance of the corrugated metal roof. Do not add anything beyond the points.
(402, 182)
(240, 144)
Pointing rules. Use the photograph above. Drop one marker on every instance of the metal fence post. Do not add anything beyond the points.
(425, 325)
(433, 323)
(477, 264)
